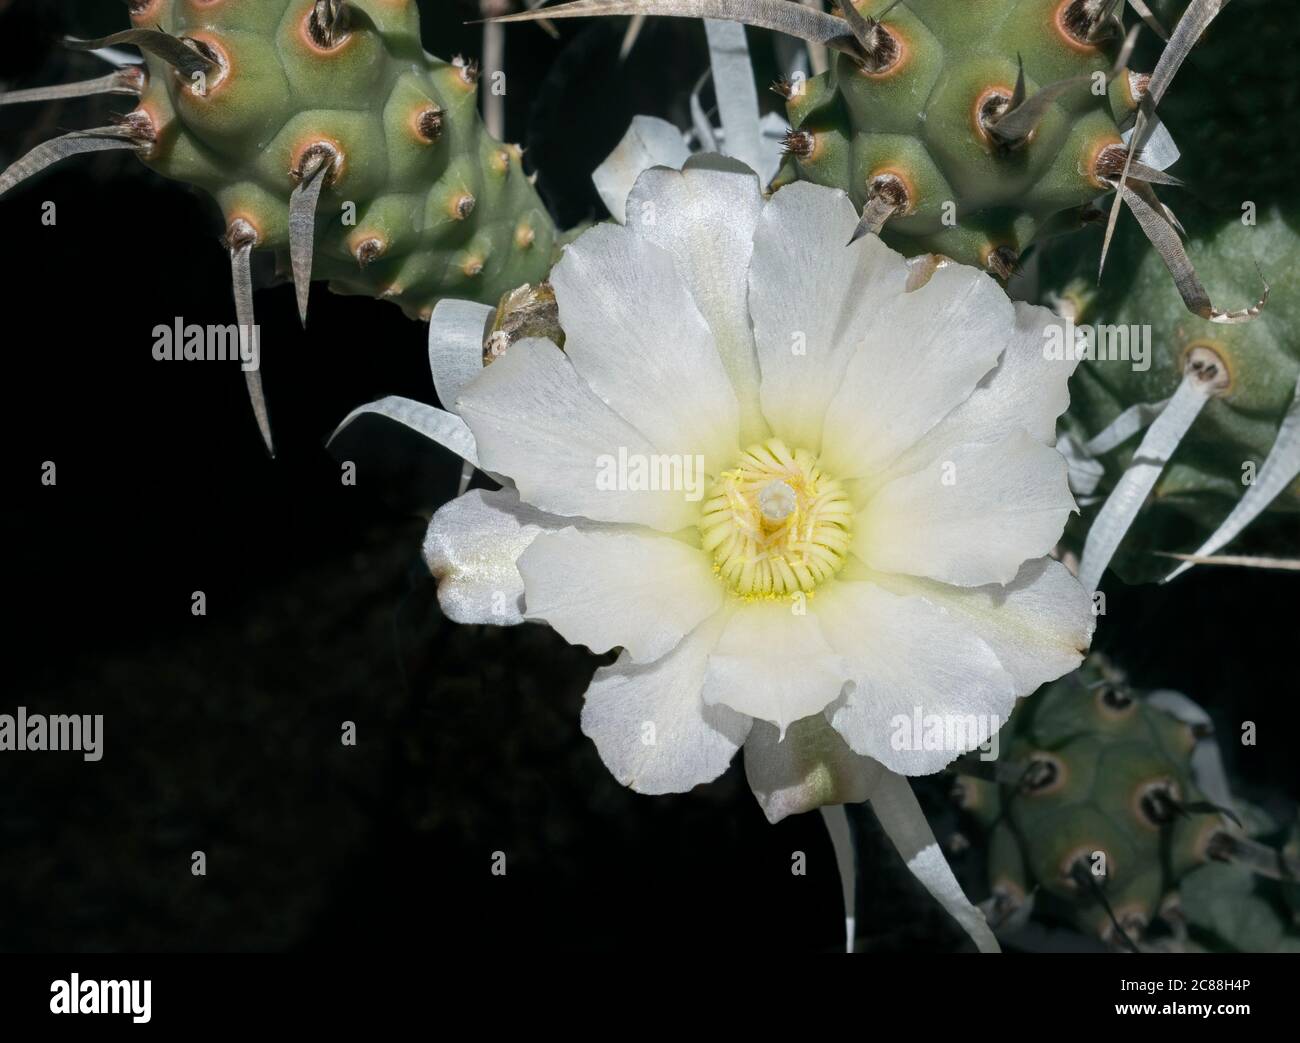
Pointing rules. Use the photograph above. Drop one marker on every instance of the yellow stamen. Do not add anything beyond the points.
(774, 524)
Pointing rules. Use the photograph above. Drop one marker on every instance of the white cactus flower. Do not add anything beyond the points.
(807, 489)
(790, 488)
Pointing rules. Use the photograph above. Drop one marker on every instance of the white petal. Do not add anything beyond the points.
(456, 346)
(920, 357)
(810, 768)
(812, 300)
(634, 590)
(900, 814)
(970, 518)
(773, 664)
(1039, 625)
(925, 688)
(1028, 389)
(650, 724)
(535, 420)
(472, 546)
(669, 208)
(635, 336)
(649, 142)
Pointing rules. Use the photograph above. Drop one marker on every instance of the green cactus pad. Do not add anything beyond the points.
(420, 203)
(1231, 438)
(1097, 760)
(921, 121)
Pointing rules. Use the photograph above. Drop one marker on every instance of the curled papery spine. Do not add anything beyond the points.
(328, 23)
(136, 133)
(241, 239)
(180, 54)
(130, 80)
(1157, 224)
(317, 167)
(793, 19)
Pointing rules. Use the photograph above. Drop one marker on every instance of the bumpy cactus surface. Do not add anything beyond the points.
(260, 98)
(1224, 450)
(1099, 816)
(918, 126)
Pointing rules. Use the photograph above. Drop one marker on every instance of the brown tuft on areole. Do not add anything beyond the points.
(1003, 262)
(240, 233)
(883, 52)
(799, 143)
(467, 68)
(328, 24)
(370, 250)
(429, 124)
(1207, 366)
(1077, 21)
(1157, 803)
(325, 153)
(892, 189)
(1109, 164)
(140, 125)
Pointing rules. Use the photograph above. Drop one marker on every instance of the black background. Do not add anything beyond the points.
(222, 732)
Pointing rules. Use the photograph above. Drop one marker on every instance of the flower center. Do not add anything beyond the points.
(775, 524)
